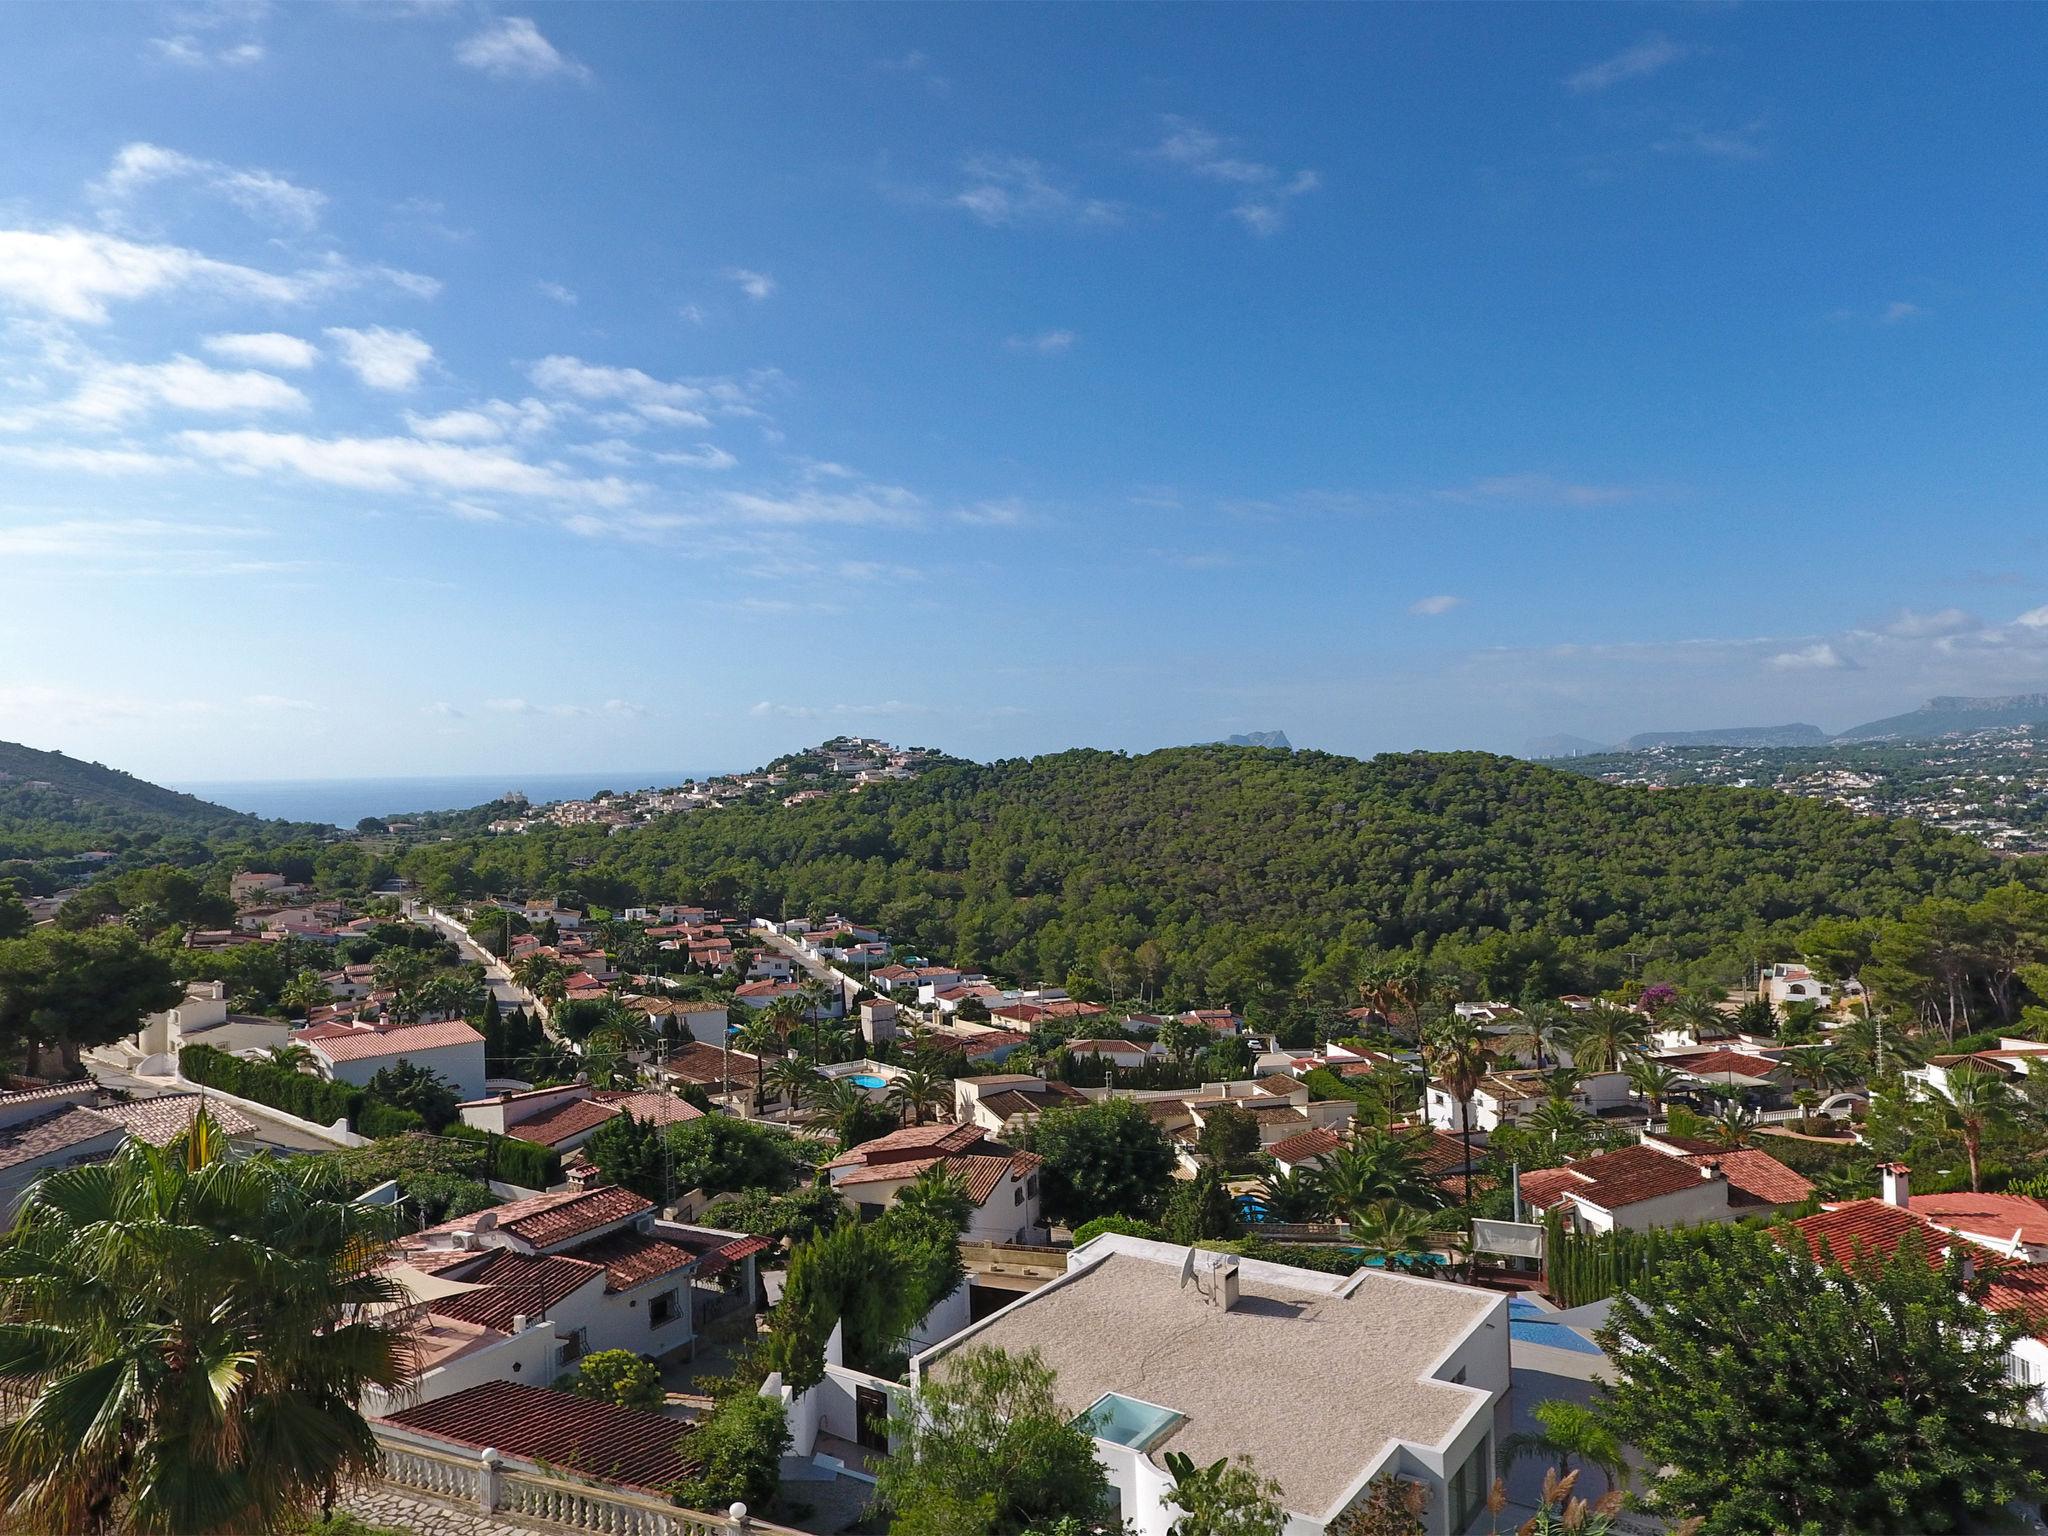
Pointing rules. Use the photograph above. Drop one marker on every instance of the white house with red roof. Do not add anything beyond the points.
(1664, 1182)
(354, 1051)
(1002, 1184)
(563, 1117)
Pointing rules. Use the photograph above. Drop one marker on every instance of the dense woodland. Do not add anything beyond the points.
(1238, 865)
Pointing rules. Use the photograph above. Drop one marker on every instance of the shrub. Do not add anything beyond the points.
(379, 1119)
(296, 1093)
(525, 1163)
(617, 1376)
(738, 1449)
(1125, 1226)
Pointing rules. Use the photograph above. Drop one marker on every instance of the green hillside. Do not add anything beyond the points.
(1527, 875)
(53, 806)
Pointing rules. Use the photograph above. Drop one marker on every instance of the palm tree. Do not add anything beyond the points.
(1808, 1101)
(1558, 1118)
(1372, 1166)
(1605, 1037)
(1535, 1030)
(1292, 1197)
(544, 976)
(304, 992)
(1568, 1432)
(1697, 1012)
(1878, 1045)
(291, 1056)
(1399, 1236)
(189, 1336)
(1975, 1100)
(939, 1193)
(1654, 1081)
(785, 1015)
(916, 1092)
(1733, 1126)
(1459, 1058)
(816, 996)
(760, 1037)
(792, 1078)
(839, 1103)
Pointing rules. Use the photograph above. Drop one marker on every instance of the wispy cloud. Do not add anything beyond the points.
(1264, 192)
(617, 708)
(559, 292)
(260, 194)
(1044, 343)
(1435, 607)
(512, 48)
(1636, 62)
(383, 358)
(399, 464)
(75, 274)
(755, 285)
(263, 349)
(1005, 190)
(1740, 143)
(1818, 657)
(1538, 489)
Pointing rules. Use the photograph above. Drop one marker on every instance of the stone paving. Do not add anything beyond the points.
(381, 1504)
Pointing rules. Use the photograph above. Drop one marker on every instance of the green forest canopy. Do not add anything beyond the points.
(1243, 863)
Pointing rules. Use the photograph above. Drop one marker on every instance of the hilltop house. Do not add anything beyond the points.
(1002, 1184)
(1324, 1381)
(354, 1051)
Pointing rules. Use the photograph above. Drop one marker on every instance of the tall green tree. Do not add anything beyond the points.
(985, 1448)
(1106, 1159)
(1974, 1103)
(189, 1336)
(1779, 1396)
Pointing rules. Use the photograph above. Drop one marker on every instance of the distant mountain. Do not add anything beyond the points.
(1260, 739)
(1732, 736)
(50, 786)
(1943, 716)
(1543, 748)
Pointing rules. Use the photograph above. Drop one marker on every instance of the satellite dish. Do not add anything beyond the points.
(1187, 1269)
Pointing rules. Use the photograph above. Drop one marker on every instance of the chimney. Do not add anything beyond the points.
(1895, 1181)
(1710, 1168)
(519, 1322)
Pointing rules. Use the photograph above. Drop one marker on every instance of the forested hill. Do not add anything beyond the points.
(1038, 867)
(52, 806)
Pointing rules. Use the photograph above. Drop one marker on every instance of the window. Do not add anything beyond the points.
(1017, 1195)
(661, 1309)
(573, 1347)
(1031, 1186)
(1469, 1486)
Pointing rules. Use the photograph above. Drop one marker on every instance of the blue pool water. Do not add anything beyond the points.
(868, 1080)
(1531, 1324)
(1128, 1421)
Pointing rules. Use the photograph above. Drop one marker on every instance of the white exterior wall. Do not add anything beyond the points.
(462, 1065)
(528, 1358)
(2031, 1356)
(1686, 1207)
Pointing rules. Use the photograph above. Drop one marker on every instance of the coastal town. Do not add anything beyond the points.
(613, 1144)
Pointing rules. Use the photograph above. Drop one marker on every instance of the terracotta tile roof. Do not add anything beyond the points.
(910, 1139)
(599, 1440)
(1105, 1048)
(29, 1141)
(340, 1042)
(1441, 1152)
(1030, 1101)
(2022, 1288)
(981, 1163)
(1280, 1085)
(1996, 1217)
(655, 1108)
(573, 1213)
(633, 1258)
(722, 1258)
(1300, 1148)
(561, 1121)
(1871, 1226)
(1613, 1180)
(706, 1064)
(162, 1121)
(1544, 1187)
(1716, 1063)
(1757, 1178)
(516, 1285)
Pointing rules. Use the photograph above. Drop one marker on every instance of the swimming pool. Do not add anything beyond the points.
(867, 1080)
(1128, 1421)
(1533, 1325)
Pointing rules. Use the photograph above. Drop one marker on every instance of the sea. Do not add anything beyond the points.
(344, 802)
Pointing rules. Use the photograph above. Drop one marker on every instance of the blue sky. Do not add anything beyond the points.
(450, 388)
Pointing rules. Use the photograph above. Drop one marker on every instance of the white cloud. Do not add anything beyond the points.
(1045, 343)
(278, 701)
(694, 313)
(1636, 62)
(512, 48)
(1435, 607)
(1538, 488)
(381, 358)
(484, 423)
(670, 403)
(556, 291)
(1908, 625)
(400, 464)
(441, 709)
(1265, 192)
(110, 392)
(260, 194)
(263, 349)
(184, 48)
(755, 285)
(2033, 618)
(109, 538)
(622, 708)
(86, 461)
(1005, 190)
(1899, 311)
(74, 274)
(703, 456)
(1739, 143)
(1818, 657)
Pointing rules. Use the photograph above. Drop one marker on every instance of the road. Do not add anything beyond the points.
(508, 992)
(817, 968)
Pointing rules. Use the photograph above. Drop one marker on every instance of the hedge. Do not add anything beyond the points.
(525, 1163)
(296, 1093)
(379, 1120)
